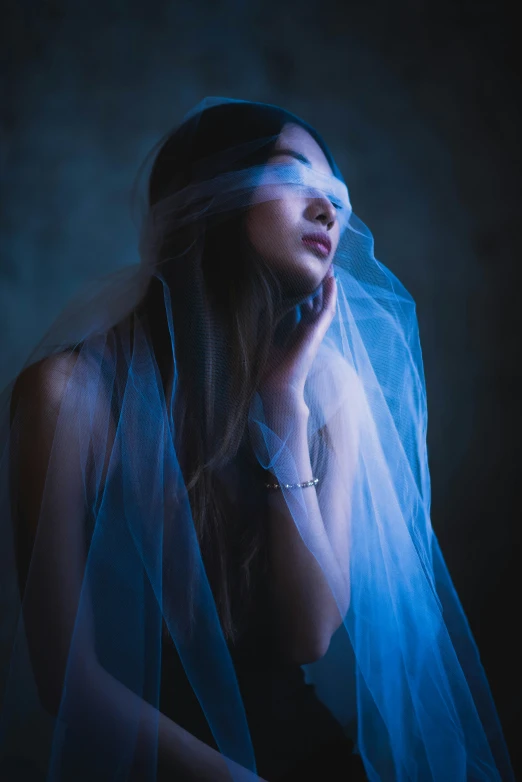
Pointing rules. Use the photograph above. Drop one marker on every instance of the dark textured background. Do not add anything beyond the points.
(419, 102)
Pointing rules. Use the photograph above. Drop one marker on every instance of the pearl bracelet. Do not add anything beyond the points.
(313, 482)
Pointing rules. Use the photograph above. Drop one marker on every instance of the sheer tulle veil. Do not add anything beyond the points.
(402, 673)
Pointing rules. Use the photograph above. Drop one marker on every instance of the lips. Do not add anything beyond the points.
(320, 241)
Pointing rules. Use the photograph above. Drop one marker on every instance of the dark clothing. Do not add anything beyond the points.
(288, 724)
(285, 718)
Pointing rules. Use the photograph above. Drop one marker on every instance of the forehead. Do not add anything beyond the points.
(298, 139)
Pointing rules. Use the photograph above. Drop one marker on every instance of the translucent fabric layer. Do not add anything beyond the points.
(100, 559)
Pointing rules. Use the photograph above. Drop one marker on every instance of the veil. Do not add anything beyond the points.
(124, 411)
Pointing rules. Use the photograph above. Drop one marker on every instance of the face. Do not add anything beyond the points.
(278, 228)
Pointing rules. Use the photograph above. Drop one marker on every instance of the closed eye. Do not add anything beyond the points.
(292, 153)
(302, 159)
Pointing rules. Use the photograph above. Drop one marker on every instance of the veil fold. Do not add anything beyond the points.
(102, 564)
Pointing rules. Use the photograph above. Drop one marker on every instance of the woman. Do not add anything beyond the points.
(217, 494)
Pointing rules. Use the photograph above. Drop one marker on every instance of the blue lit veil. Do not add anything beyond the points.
(402, 674)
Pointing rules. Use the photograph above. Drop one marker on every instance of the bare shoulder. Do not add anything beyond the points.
(51, 372)
(42, 387)
(45, 380)
(50, 397)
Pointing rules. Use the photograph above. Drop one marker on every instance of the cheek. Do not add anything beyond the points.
(269, 224)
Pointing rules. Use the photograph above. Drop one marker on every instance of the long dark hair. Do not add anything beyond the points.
(225, 304)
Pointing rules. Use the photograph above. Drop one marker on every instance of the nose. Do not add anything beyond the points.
(321, 210)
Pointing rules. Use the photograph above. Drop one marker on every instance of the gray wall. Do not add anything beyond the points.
(418, 104)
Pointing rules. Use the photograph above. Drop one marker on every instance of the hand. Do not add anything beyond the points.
(290, 363)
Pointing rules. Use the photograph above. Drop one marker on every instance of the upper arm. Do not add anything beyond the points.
(50, 507)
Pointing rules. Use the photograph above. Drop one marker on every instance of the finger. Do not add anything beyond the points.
(327, 313)
(307, 306)
(309, 335)
(318, 300)
(330, 294)
(328, 303)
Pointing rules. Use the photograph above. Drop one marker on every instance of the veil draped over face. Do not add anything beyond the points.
(132, 403)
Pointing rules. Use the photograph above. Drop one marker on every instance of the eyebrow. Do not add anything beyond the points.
(292, 153)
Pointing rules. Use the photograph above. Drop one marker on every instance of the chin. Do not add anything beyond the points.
(311, 272)
(303, 275)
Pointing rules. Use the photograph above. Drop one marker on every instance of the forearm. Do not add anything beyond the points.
(108, 715)
(302, 584)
